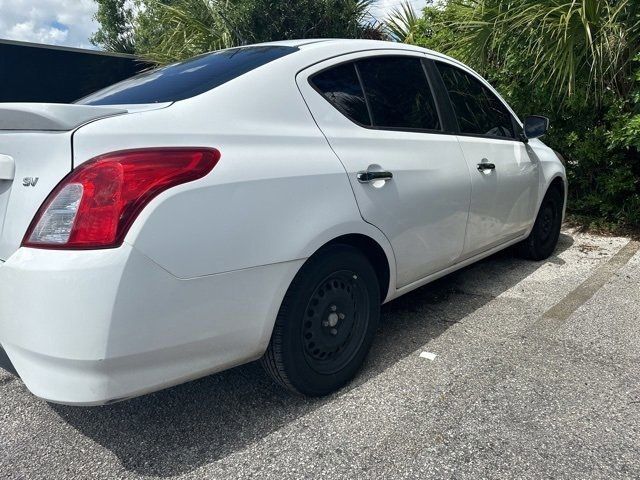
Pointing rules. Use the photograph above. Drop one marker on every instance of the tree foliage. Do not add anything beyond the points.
(169, 30)
(571, 45)
(403, 23)
(115, 33)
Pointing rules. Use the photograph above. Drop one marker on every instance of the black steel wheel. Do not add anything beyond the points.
(336, 322)
(326, 323)
(543, 239)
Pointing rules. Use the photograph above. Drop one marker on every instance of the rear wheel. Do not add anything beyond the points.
(543, 239)
(326, 323)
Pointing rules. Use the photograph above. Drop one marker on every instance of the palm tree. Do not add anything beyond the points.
(188, 27)
(185, 28)
(569, 42)
(402, 23)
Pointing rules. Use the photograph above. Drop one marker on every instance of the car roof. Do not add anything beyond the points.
(334, 41)
(356, 44)
(340, 46)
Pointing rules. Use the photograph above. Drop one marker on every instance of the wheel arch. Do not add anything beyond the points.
(560, 183)
(374, 253)
(371, 242)
(557, 180)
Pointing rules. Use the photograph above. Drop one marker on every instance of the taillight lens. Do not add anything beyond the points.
(94, 206)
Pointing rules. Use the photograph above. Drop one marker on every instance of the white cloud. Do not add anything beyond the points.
(28, 31)
(56, 22)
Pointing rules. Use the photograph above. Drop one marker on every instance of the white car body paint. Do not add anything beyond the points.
(197, 284)
(503, 201)
(45, 156)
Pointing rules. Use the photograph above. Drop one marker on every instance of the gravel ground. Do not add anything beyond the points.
(534, 372)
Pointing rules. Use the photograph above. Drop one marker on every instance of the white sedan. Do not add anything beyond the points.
(256, 202)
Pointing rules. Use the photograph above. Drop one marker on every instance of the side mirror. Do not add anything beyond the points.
(535, 126)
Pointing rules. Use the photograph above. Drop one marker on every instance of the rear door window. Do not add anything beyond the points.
(189, 78)
(477, 110)
(341, 87)
(398, 93)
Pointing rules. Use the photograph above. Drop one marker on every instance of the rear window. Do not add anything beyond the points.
(189, 78)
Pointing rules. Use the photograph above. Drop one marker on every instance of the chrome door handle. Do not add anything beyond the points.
(368, 176)
(486, 166)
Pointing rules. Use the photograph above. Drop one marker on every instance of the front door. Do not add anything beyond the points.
(410, 179)
(504, 173)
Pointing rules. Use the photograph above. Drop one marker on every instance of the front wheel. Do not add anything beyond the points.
(543, 239)
(326, 323)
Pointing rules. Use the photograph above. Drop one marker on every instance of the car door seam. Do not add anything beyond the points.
(355, 198)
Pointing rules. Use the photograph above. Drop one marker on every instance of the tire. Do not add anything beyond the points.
(543, 239)
(326, 323)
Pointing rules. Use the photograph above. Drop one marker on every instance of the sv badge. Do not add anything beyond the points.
(30, 181)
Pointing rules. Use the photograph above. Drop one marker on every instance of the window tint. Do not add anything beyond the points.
(340, 85)
(187, 79)
(477, 109)
(398, 93)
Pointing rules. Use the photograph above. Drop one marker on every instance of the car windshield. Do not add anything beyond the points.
(187, 79)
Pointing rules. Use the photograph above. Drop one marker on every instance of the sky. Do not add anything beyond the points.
(385, 6)
(70, 22)
(56, 22)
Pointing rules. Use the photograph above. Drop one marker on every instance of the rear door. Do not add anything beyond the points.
(409, 176)
(504, 172)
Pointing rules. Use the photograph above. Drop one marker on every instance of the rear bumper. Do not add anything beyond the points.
(93, 327)
(5, 361)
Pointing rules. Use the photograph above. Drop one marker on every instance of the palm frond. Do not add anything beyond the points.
(402, 23)
(190, 27)
(568, 41)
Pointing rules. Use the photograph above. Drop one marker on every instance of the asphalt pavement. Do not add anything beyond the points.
(506, 369)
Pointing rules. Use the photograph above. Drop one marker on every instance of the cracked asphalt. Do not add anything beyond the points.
(536, 374)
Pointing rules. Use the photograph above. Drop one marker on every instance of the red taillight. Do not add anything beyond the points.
(94, 206)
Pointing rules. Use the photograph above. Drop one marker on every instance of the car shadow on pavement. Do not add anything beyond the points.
(177, 430)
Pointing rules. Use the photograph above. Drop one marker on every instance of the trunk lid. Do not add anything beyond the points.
(53, 117)
(35, 154)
